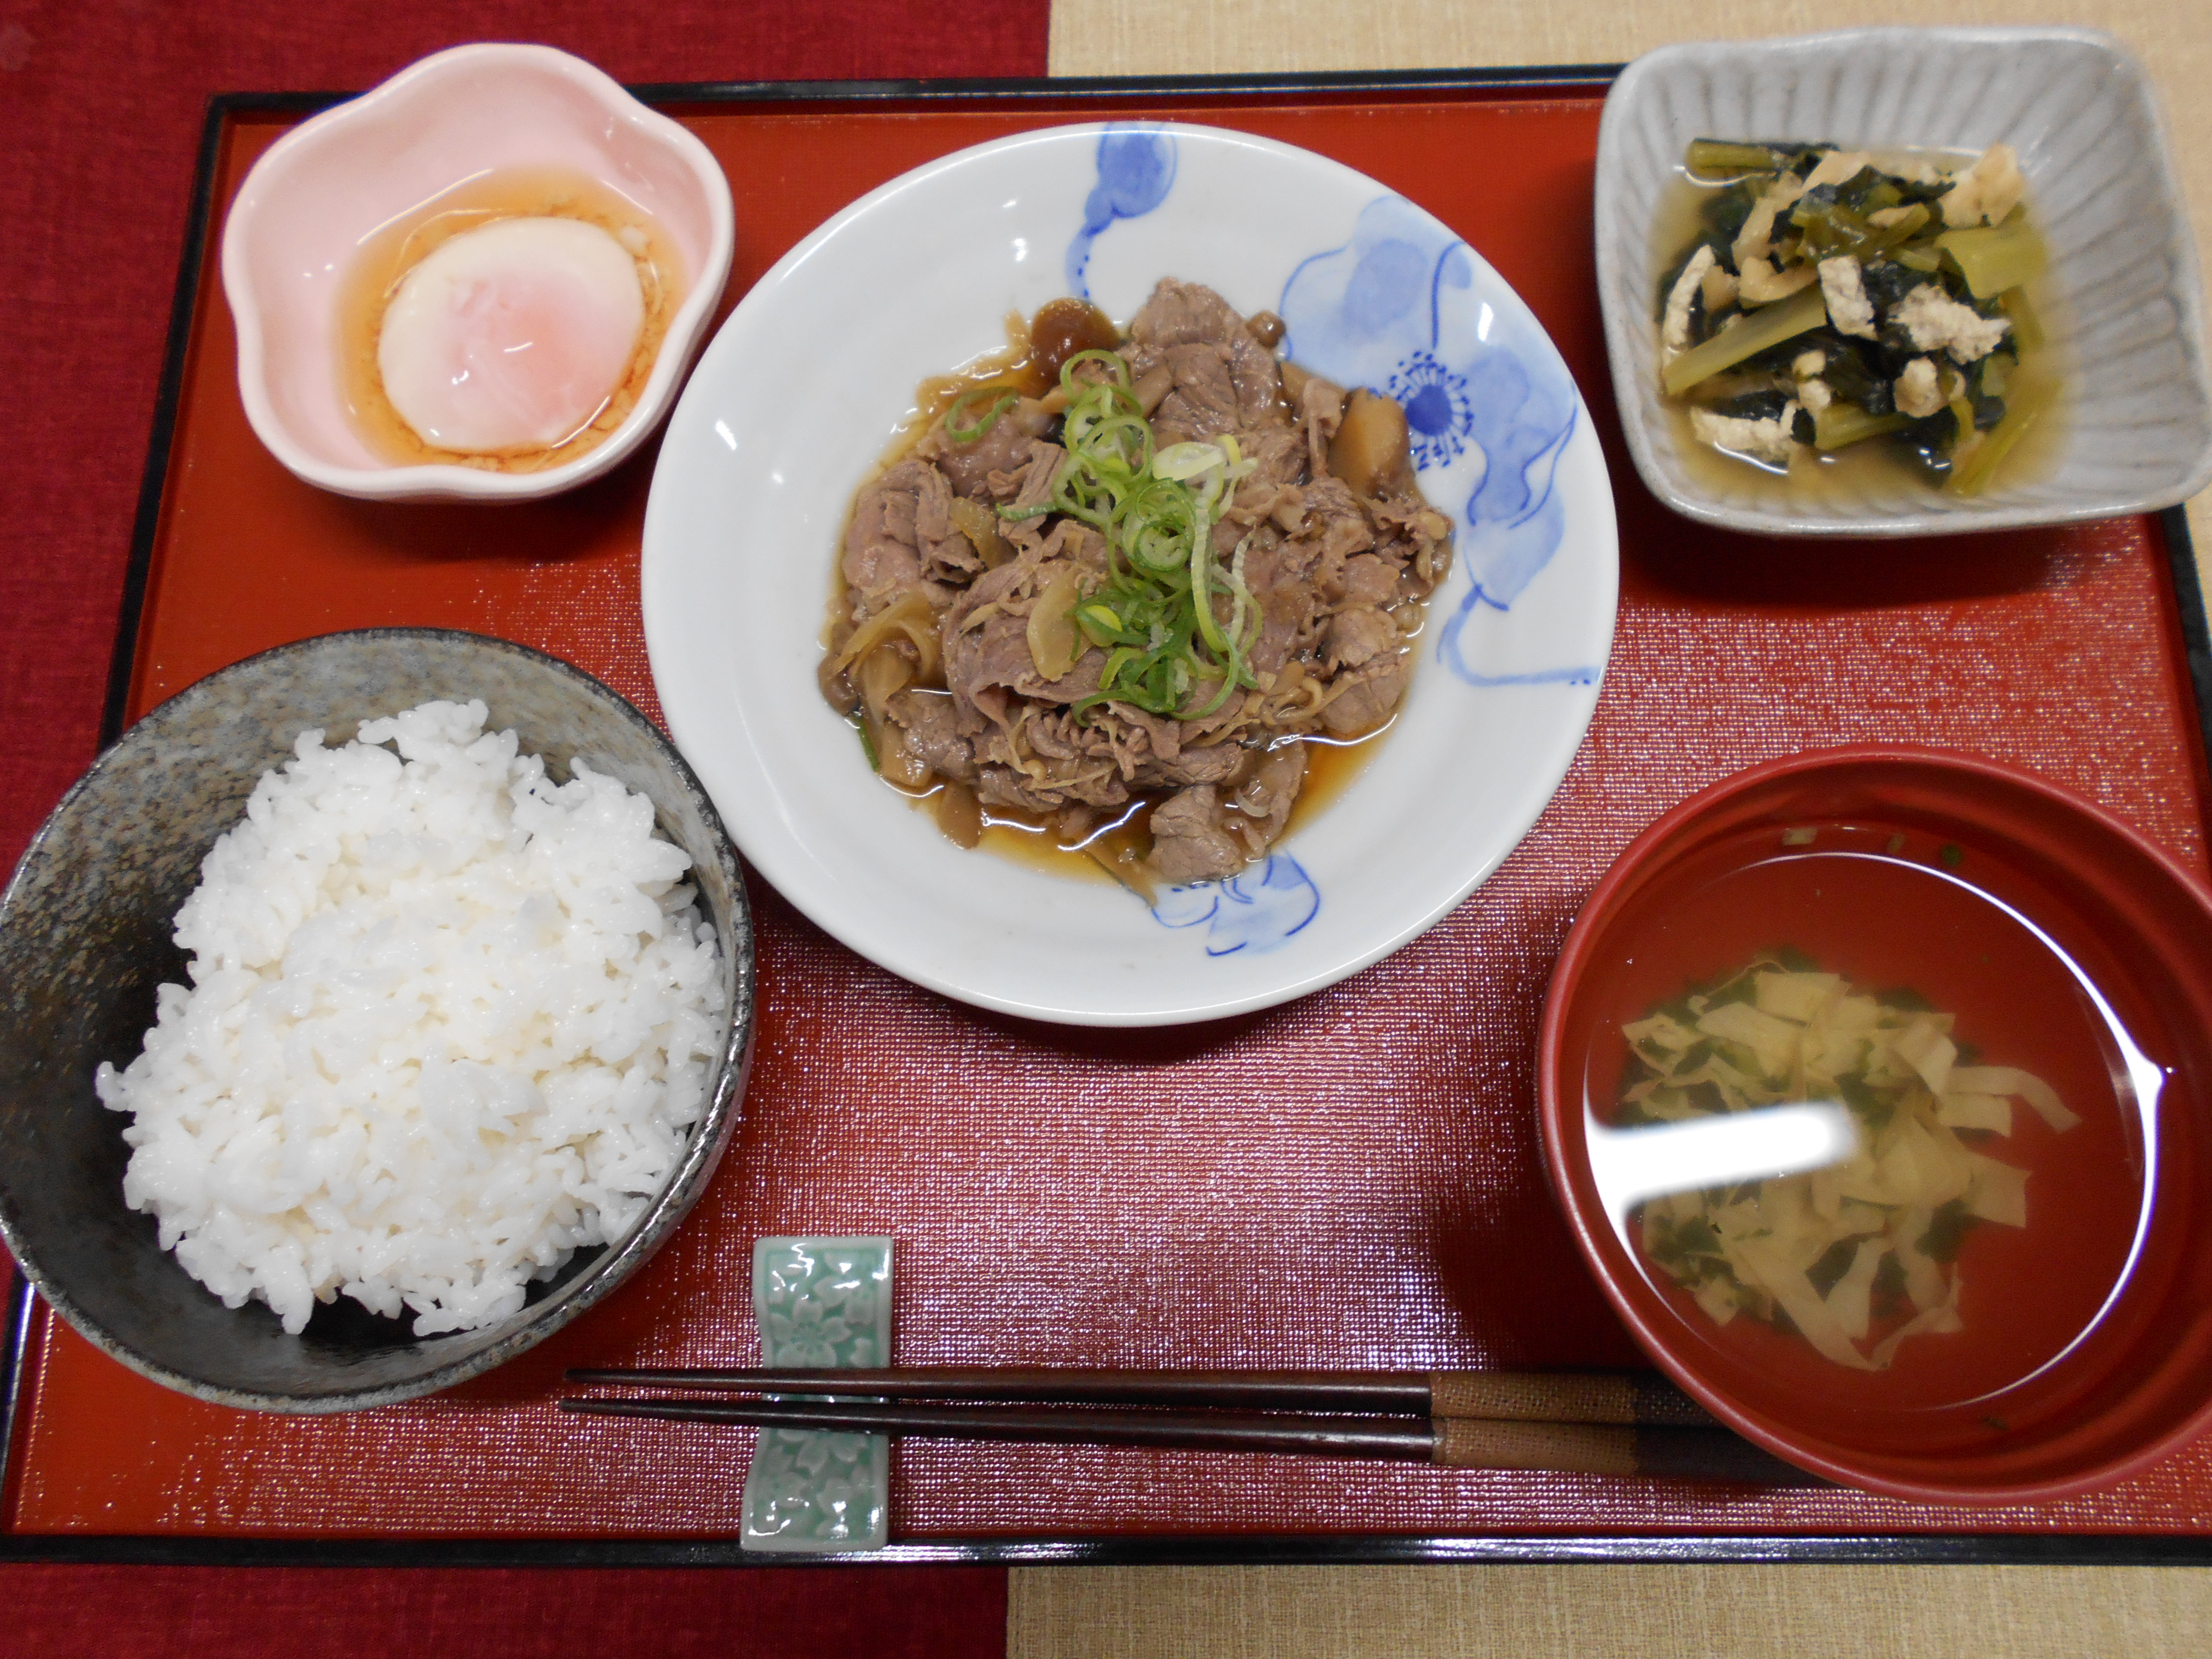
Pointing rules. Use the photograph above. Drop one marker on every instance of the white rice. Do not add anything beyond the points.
(447, 1024)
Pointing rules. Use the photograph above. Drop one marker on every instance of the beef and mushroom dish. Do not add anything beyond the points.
(1119, 587)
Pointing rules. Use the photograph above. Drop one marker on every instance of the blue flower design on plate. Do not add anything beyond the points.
(1400, 309)
(1439, 409)
(1253, 911)
(1136, 170)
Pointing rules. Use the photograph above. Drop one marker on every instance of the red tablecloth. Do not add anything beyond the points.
(101, 105)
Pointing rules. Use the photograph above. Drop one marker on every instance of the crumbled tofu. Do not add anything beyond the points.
(1916, 391)
(1837, 168)
(1848, 308)
(1767, 440)
(1720, 288)
(1936, 322)
(1987, 191)
(1883, 218)
(1758, 232)
(1759, 283)
(1814, 395)
(1807, 364)
(1674, 332)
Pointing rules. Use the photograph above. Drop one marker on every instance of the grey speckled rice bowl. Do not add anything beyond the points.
(2128, 329)
(85, 937)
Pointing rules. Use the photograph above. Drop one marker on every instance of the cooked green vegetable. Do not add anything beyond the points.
(1754, 334)
(1828, 300)
(1975, 467)
(2027, 323)
(1841, 425)
(1816, 1253)
(1720, 158)
(1996, 257)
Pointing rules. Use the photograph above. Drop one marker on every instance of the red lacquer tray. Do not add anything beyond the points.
(1352, 1180)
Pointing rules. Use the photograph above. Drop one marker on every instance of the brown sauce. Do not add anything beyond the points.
(396, 248)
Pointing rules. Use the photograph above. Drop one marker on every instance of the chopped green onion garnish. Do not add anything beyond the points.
(968, 435)
(1154, 613)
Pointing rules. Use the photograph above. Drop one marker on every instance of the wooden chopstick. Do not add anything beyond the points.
(1628, 1398)
(1697, 1454)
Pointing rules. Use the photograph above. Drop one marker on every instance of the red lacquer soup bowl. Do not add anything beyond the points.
(1917, 1320)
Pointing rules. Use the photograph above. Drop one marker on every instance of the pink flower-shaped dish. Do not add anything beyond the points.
(434, 133)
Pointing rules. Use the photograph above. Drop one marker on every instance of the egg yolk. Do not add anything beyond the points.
(512, 336)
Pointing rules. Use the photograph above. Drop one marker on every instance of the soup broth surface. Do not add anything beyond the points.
(1894, 913)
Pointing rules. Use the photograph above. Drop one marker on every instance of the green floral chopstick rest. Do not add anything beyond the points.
(820, 1302)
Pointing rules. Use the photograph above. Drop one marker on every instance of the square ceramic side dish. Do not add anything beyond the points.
(2131, 430)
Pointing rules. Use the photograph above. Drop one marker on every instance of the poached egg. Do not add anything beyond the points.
(512, 336)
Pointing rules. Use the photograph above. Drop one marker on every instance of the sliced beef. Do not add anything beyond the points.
(1371, 695)
(1204, 402)
(1029, 481)
(1356, 636)
(996, 654)
(1196, 733)
(1278, 455)
(1335, 575)
(1004, 448)
(883, 555)
(1185, 314)
(1223, 379)
(1215, 763)
(1361, 580)
(929, 727)
(1051, 785)
(1269, 792)
(1418, 537)
(1287, 606)
(1188, 843)
(1336, 528)
(1143, 745)
(1258, 380)
(1071, 539)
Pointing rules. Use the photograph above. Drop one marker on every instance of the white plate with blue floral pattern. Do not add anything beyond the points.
(795, 401)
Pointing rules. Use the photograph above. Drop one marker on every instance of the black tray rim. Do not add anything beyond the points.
(1223, 1549)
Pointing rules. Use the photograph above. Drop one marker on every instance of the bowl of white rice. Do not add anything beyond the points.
(370, 1010)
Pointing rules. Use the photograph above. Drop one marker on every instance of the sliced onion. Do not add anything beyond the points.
(1054, 642)
(980, 526)
(960, 815)
(912, 616)
(881, 676)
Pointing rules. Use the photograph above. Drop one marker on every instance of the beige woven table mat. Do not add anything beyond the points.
(1609, 1612)
(1667, 1612)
